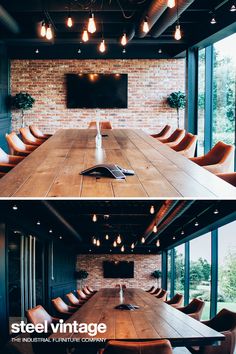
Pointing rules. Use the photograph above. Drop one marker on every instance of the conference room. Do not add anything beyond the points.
(128, 99)
(123, 276)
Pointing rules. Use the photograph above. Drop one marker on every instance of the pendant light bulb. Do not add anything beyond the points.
(145, 26)
(124, 39)
(94, 218)
(122, 248)
(49, 32)
(118, 240)
(182, 232)
(213, 20)
(91, 24)
(152, 209)
(114, 244)
(94, 241)
(233, 8)
(178, 34)
(158, 243)
(132, 246)
(107, 237)
(142, 240)
(102, 46)
(85, 36)
(43, 30)
(154, 228)
(69, 21)
(171, 3)
(98, 242)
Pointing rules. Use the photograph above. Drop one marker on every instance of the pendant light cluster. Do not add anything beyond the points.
(46, 30)
(213, 19)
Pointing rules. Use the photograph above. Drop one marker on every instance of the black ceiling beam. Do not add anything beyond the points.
(8, 21)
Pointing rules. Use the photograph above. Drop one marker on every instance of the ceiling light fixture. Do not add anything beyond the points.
(213, 20)
(158, 243)
(91, 24)
(145, 26)
(50, 231)
(182, 232)
(38, 223)
(114, 244)
(37, 51)
(152, 209)
(118, 240)
(142, 240)
(69, 21)
(98, 242)
(196, 223)
(173, 237)
(60, 237)
(107, 237)
(122, 248)
(233, 8)
(154, 228)
(102, 46)
(49, 32)
(94, 218)
(178, 34)
(216, 211)
(132, 246)
(43, 29)
(159, 51)
(15, 207)
(124, 51)
(171, 3)
(123, 39)
(85, 36)
(94, 241)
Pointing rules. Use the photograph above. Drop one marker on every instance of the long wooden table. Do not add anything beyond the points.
(153, 320)
(53, 170)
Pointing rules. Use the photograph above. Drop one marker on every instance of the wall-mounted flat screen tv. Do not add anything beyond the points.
(97, 90)
(121, 269)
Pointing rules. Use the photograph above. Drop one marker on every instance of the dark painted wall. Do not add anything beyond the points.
(3, 281)
(5, 117)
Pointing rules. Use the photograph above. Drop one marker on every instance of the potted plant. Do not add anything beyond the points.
(177, 100)
(23, 101)
(157, 275)
(81, 275)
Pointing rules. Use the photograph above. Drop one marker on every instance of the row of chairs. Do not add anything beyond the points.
(224, 322)
(32, 137)
(218, 160)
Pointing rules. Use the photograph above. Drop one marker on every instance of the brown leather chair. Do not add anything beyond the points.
(193, 309)
(218, 159)
(150, 289)
(91, 289)
(82, 296)
(224, 322)
(156, 291)
(7, 162)
(17, 147)
(38, 315)
(38, 133)
(62, 308)
(176, 300)
(87, 292)
(228, 177)
(103, 125)
(187, 145)
(29, 138)
(174, 139)
(163, 133)
(73, 300)
(162, 295)
(148, 347)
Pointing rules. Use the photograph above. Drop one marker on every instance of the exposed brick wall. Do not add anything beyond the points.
(149, 83)
(144, 265)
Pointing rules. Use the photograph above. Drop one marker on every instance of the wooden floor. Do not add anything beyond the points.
(153, 320)
(53, 170)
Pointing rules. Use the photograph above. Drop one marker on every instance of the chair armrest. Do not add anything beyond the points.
(30, 147)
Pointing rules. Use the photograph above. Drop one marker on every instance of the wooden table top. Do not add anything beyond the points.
(53, 170)
(153, 320)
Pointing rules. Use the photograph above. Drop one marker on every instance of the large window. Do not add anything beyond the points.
(169, 273)
(201, 101)
(227, 267)
(179, 269)
(200, 271)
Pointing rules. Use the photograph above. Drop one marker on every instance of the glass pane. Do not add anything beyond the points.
(224, 81)
(39, 273)
(227, 267)
(169, 273)
(200, 271)
(201, 101)
(179, 269)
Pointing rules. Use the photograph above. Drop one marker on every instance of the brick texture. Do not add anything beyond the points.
(149, 83)
(144, 265)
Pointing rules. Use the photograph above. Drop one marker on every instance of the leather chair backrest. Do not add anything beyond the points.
(72, 298)
(60, 305)
(26, 133)
(175, 299)
(196, 305)
(35, 130)
(225, 320)
(149, 347)
(165, 130)
(15, 141)
(186, 141)
(81, 294)
(38, 315)
(4, 158)
(220, 151)
(176, 134)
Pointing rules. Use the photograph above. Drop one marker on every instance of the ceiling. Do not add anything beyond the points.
(71, 222)
(20, 30)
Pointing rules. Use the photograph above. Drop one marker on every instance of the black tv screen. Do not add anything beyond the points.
(97, 90)
(117, 269)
